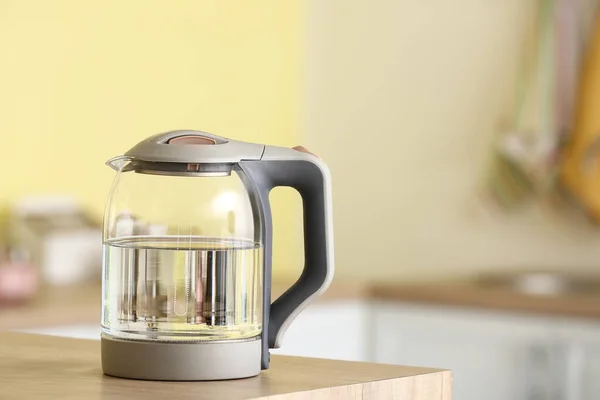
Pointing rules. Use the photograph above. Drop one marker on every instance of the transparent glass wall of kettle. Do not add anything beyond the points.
(181, 259)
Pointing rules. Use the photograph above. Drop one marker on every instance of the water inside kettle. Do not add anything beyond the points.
(182, 288)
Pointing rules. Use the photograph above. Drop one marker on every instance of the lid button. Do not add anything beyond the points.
(192, 139)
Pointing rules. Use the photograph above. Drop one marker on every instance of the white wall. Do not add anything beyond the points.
(403, 99)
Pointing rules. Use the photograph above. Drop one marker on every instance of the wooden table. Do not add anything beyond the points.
(46, 367)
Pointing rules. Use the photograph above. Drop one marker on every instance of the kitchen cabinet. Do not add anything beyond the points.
(332, 329)
(581, 340)
(493, 356)
(587, 361)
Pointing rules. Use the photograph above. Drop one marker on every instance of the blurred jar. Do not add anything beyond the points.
(18, 279)
(58, 238)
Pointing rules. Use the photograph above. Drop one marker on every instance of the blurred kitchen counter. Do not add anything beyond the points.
(467, 294)
(77, 305)
(81, 304)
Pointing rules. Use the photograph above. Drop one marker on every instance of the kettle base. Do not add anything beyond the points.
(171, 361)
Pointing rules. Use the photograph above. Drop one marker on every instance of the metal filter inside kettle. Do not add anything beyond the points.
(187, 256)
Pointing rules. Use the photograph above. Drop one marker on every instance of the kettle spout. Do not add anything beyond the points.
(118, 163)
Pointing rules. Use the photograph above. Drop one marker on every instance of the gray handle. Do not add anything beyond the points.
(310, 177)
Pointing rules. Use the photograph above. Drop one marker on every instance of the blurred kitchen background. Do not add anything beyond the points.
(462, 137)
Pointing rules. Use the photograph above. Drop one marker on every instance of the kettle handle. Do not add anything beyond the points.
(311, 178)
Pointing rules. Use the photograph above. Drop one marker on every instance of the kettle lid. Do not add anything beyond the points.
(190, 146)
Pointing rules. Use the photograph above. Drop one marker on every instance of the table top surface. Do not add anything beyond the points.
(37, 366)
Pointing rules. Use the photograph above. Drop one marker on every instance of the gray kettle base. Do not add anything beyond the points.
(171, 361)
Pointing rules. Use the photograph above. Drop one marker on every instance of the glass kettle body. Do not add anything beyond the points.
(187, 256)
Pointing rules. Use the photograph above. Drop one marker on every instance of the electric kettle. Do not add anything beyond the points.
(187, 243)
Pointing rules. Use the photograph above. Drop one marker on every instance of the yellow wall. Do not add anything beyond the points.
(82, 81)
(404, 100)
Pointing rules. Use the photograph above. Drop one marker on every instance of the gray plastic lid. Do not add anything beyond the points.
(188, 146)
